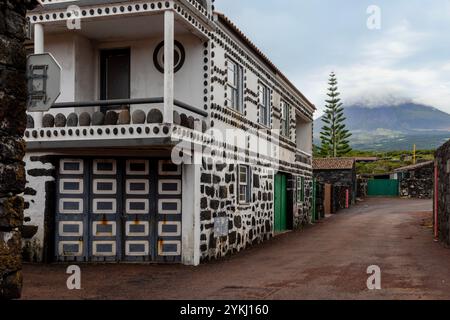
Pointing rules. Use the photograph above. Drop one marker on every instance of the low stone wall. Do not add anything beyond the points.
(13, 95)
(418, 183)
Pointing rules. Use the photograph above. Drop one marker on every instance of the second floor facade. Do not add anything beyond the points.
(115, 61)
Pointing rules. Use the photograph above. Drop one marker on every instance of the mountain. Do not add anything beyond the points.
(394, 127)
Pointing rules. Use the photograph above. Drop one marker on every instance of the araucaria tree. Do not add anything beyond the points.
(334, 134)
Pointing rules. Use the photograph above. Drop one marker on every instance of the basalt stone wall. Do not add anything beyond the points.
(362, 188)
(340, 197)
(242, 225)
(303, 212)
(320, 198)
(418, 183)
(13, 95)
(443, 161)
(39, 207)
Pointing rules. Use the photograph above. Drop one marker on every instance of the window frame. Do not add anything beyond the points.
(264, 95)
(246, 184)
(236, 100)
(285, 119)
(300, 189)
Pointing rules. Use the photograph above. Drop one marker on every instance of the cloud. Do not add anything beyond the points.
(383, 73)
(397, 44)
(407, 60)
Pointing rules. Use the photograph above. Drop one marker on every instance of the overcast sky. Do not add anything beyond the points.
(408, 58)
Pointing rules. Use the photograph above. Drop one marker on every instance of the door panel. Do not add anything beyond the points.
(105, 213)
(72, 224)
(169, 212)
(139, 210)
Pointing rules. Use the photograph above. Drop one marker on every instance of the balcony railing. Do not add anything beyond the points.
(118, 123)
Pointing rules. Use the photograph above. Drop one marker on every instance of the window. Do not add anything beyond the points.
(300, 189)
(235, 86)
(244, 184)
(264, 105)
(285, 119)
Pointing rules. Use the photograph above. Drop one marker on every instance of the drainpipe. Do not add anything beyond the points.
(436, 199)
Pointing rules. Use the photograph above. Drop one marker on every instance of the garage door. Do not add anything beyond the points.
(111, 210)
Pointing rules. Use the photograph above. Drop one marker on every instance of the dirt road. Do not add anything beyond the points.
(325, 261)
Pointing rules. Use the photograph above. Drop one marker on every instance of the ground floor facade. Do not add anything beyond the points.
(111, 206)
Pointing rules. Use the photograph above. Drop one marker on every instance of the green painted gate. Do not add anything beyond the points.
(280, 203)
(383, 188)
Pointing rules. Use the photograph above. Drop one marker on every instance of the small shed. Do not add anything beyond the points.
(338, 172)
(416, 181)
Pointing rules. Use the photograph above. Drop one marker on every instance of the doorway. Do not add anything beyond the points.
(280, 199)
(114, 75)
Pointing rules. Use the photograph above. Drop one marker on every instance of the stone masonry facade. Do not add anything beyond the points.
(13, 95)
(418, 183)
(245, 224)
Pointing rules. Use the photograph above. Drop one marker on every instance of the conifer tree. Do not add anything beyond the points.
(334, 135)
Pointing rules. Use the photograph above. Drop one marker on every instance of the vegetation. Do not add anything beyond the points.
(334, 135)
(389, 161)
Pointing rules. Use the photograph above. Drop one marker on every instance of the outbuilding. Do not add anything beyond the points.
(339, 177)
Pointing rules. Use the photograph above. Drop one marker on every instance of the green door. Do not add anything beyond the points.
(383, 188)
(280, 203)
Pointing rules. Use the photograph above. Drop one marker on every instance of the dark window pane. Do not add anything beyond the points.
(71, 228)
(137, 248)
(170, 186)
(105, 166)
(71, 166)
(137, 167)
(137, 205)
(137, 228)
(74, 206)
(107, 205)
(169, 206)
(104, 228)
(104, 248)
(169, 228)
(71, 186)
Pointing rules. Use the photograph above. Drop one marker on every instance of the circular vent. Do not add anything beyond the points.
(179, 57)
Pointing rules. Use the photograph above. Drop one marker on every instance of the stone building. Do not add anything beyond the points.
(341, 174)
(416, 181)
(174, 139)
(13, 95)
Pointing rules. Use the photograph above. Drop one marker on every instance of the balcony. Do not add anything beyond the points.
(129, 123)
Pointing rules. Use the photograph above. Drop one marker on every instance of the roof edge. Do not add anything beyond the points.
(224, 19)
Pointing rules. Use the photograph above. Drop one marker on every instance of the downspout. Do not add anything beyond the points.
(436, 198)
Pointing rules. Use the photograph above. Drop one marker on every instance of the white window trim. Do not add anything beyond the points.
(246, 184)
(265, 94)
(285, 119)
(238, 87)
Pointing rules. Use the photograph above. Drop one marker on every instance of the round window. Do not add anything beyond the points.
(179, 57)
